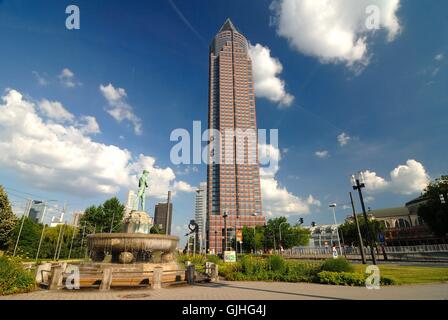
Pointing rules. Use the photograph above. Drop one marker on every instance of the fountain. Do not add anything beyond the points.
(135, 249)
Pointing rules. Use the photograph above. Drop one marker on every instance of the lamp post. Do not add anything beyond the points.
(361, 245)
(225, 215)
(333, 206)
(280, 233)
(255, 233)
(216, 242)
(358, 184)
(25, 215)
(43, 228)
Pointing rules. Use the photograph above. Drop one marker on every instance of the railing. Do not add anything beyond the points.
(426, 252)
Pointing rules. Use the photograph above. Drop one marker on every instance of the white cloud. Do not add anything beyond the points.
(266, 71)
(68, 79)
(312, 201)
(410, 178)
(183, 186)
(119, 109)
(333, 31)
(40, 79)
(278, 200)
(321, 154)
(89, 125)
(343, 139)
(439, 57)
(61, 157)
(55, 110)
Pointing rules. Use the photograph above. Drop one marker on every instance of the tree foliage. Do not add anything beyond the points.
(350, 232)
(7, 219)
(99, 219)
(268, 237)
(434, 212)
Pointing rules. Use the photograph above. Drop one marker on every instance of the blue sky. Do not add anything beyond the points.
(391, 103)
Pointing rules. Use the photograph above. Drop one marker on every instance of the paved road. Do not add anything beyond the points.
(226, 290)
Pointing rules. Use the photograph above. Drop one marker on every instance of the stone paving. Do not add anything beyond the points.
(235, 291)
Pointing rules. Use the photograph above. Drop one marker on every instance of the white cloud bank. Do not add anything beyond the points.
(62, 157)
(266, 71)
(278, 200)
(407, 179)
(119, 109)
(334, 31)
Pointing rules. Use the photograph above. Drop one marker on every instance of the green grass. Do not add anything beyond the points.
(410, 274)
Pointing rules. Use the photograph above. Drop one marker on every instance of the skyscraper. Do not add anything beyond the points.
(130, 202)
(162, 216)
(37, 211)
(234, 196)
(200, 214)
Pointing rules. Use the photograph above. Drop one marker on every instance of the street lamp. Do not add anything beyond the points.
(255, 233)
(225, 215)
(280, 233)
(43, 229)
(358, 184)
(333, 206)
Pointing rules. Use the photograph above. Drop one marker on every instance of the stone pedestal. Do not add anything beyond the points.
(157, 278)
(107, 279)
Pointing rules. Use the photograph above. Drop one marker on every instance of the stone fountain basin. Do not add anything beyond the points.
(132, 242)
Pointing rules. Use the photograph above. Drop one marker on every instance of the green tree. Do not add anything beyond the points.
(350, 232)
(7, 219)
(291, 236)
(29, 238)
(434, 212)
(99, 219)
(253, 238)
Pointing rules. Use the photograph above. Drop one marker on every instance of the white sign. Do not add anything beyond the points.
(229, 256)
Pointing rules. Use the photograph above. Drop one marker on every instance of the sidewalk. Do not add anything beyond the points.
(235, 291)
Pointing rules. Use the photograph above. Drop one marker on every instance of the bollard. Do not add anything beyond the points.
(157, 278)
(190, 274)
(56, 279)
(214, 273)
(107, 279)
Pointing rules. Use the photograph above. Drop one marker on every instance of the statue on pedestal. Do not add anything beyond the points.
(142, 185)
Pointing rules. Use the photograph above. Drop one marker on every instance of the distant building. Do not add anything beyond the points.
(37, 210)
(200, 213)
(323, 236)
(163, 217)
(77, 218)
(403, 226)
(130, 201)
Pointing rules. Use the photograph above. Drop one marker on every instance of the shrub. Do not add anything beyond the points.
(277, 263)
(337, 265)
(214, 259)
(341, 278)
(350, 279)
(14, 278)
(389, 281)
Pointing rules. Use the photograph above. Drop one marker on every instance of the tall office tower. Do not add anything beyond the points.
(130, 202)
(37, 211)
(200, 213)
(234, 196)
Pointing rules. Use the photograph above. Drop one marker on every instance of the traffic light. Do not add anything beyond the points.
(301, 220)
(313, 224)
